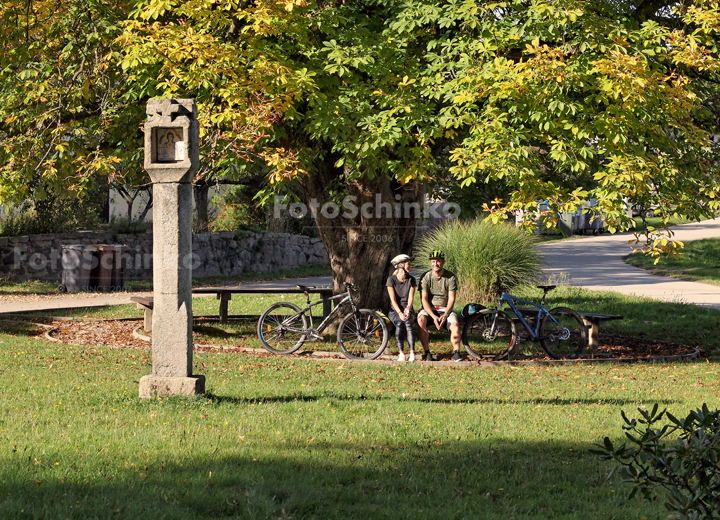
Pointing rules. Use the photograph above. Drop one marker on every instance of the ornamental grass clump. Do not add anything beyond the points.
(479, 252)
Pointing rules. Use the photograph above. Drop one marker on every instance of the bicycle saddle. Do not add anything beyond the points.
(546, 288)
(306, 287)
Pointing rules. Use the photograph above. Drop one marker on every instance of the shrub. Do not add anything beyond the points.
(479, 252)
(237, 210)
(24, 222)
(682, 457)
(61, 216)
(124, 226)
(57, 212)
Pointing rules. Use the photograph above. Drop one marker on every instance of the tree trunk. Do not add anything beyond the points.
(148, 205)
(130, 202)
(129, 199)
(200, 191)
(105, 212)
(360, 246)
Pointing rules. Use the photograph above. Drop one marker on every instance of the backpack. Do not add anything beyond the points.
(470, 309)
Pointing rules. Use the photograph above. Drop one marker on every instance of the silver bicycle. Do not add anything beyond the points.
(284, 327)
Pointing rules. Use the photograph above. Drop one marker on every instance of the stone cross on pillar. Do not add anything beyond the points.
(171, 158)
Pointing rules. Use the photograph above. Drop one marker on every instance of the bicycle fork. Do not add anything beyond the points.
(491, 333)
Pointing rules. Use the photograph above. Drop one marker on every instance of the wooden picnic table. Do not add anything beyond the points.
(224, 294)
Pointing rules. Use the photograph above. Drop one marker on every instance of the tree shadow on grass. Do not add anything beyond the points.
(304, 478)
(219, 399)
(20, 328)
(558, 402)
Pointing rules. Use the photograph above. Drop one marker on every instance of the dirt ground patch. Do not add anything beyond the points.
(119, 334)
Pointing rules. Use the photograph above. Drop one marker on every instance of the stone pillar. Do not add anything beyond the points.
(171, 159)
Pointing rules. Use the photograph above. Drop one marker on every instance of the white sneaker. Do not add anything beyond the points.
(401, 357)
(411, 358)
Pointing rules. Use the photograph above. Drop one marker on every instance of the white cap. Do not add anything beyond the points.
(400, 259)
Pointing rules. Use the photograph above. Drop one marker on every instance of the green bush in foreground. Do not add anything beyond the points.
(688, 467)
(478, 252)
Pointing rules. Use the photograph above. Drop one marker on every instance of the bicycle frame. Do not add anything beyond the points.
(346, 297)
(510, 299)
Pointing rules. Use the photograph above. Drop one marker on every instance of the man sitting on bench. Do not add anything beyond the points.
(438, 288)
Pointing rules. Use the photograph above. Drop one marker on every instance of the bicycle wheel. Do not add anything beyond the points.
(489, 333)
(563, 333)
(362, 335)
(281, 328)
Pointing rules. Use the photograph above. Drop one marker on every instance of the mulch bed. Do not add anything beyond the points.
(622, 347)
(111, 333)
(119, 334)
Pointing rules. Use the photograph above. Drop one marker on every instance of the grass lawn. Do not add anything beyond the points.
(656, 222)
(278, 438)
(699, 262)
(290, 438)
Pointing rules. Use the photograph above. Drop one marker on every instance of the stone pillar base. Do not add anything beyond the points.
(153, 385)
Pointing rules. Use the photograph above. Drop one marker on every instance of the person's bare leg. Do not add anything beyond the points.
(455, 336)
(423, 332)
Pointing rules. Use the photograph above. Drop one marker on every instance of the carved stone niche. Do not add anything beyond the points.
(172, 137)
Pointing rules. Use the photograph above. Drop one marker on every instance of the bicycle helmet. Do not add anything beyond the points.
(399, 259)
(437, 254)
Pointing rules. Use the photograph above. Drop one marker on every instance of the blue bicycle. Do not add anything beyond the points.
(491, 333)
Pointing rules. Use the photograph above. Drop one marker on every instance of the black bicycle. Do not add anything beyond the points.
(284, 327)
(492, 333)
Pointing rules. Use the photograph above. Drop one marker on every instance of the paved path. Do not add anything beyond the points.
(596, 263)
(31, 303)
(46, 302)
(590, 262)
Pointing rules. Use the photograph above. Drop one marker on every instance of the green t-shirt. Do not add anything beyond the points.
(438, 288)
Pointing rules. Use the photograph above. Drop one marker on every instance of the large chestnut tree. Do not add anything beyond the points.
(556, 101)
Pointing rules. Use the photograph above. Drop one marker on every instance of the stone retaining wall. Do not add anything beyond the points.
(214, 254)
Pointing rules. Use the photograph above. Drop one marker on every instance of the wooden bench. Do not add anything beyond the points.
(591, 320)
(224, 294)
(147, 304)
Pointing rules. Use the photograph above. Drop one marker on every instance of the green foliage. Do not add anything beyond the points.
(641, 223)
(23, 223)
(125, 226)
(562, 101)
(547, 100)
(554, 101)
(699, 262)
(62, 117)
(238, 210)
(682, 457)
(53, 215)
(479, 251)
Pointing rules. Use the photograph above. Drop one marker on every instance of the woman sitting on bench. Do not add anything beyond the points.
(401, 288)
